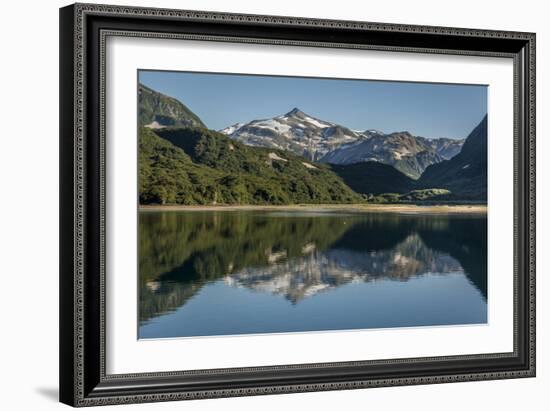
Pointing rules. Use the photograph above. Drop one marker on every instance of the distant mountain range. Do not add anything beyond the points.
(297, 158)
(320, 140)
(402, 150)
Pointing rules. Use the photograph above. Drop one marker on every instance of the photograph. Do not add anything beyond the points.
(280, 204)
(290, 200)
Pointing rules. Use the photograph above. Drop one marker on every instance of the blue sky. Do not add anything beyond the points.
(424, 109)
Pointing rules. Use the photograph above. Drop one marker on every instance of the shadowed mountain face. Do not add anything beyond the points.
(373, 177)
(465, 175)
(298, 256)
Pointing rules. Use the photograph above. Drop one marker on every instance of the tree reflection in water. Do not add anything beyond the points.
(298, 255)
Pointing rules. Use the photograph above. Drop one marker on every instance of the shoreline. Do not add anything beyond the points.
(360, 208)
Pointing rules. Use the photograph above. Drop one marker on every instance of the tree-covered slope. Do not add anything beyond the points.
(465, 175)
(158, 110)
(200, 166)
(373, 178)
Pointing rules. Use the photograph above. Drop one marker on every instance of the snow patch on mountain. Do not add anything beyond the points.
(231, 129)
(155, 125)
(307, 165)
(274, 156)
(317, 123)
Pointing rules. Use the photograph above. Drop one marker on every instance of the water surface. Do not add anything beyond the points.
(205, 273)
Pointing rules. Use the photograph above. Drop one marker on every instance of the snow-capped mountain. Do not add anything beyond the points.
(320, 140)
(295, 131)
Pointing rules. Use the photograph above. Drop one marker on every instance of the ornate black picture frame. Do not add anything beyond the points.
(83, 31)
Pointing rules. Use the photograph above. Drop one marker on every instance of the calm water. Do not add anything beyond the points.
(232, 272)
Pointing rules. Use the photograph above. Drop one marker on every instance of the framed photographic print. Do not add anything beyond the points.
(261, 204)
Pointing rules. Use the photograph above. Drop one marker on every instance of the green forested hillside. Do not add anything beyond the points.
(200, 166)
(160, 110)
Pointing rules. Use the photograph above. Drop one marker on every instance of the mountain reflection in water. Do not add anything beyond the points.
(298, 256)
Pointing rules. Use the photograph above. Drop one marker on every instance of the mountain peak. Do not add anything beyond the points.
(295, 112)
(401, 133)
(157, 110)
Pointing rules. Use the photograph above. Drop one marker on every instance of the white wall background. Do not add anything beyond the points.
(29, 204)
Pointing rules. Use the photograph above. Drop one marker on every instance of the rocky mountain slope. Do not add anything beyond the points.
(402, 150)
(445, 147)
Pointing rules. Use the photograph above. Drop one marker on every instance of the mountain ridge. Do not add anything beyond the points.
(324, 141)
(401, 150)
(293, 131)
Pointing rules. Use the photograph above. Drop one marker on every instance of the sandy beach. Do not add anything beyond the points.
(366, 208)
